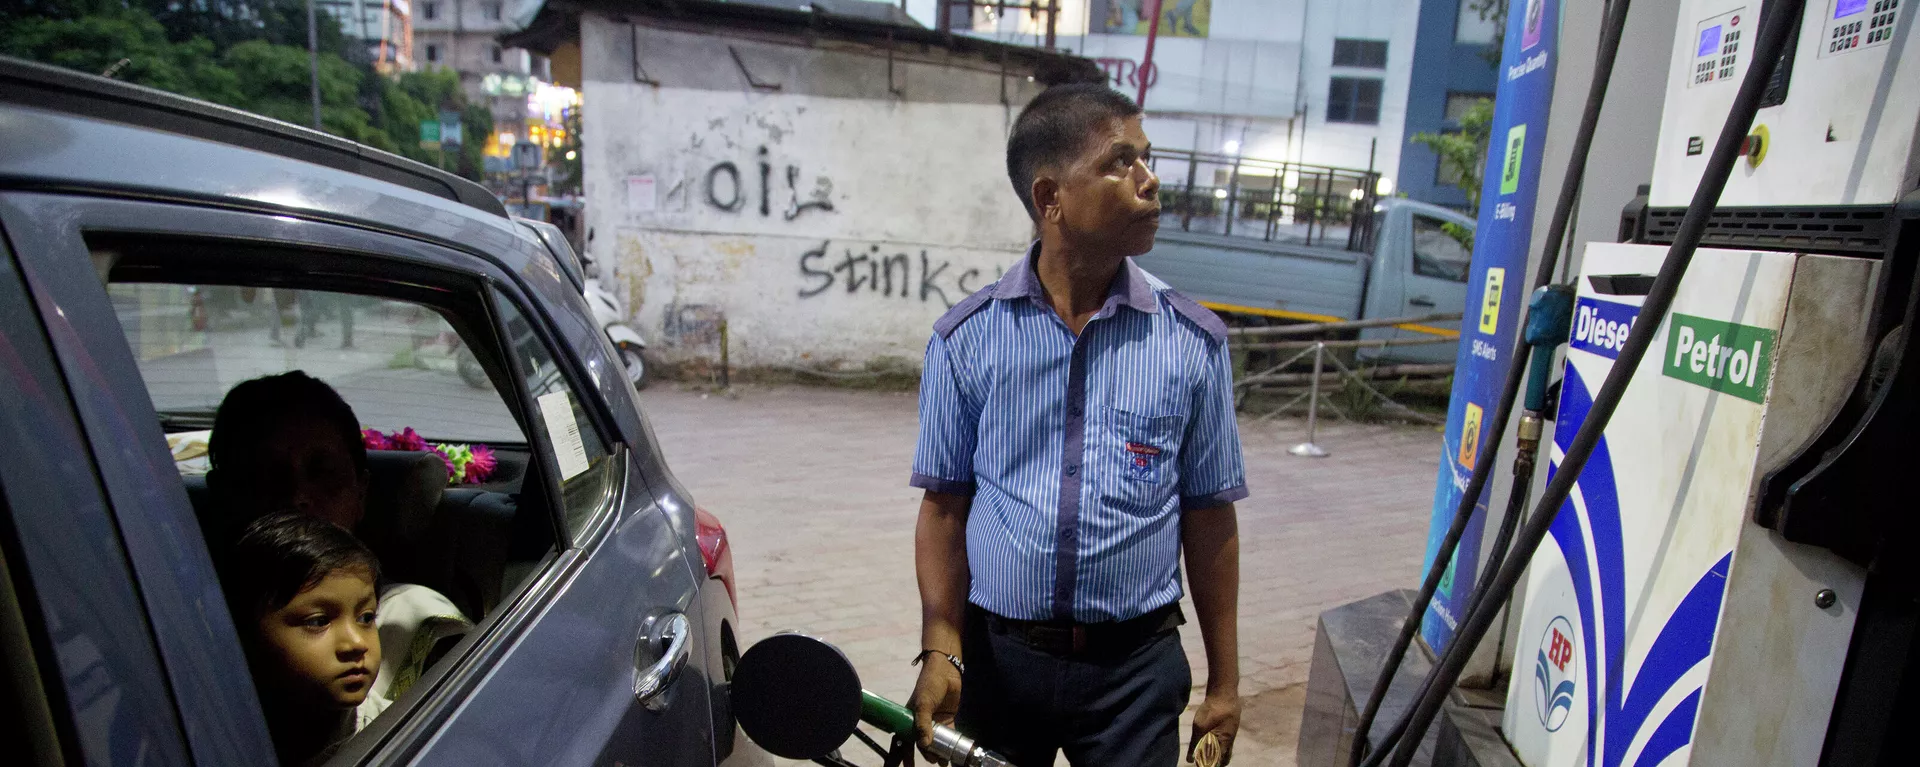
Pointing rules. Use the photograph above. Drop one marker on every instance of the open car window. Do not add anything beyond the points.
(400, 365)
(457, 507)
(1441, 251)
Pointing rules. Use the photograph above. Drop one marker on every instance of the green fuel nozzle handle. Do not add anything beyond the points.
(1549, 319)
(959, 750)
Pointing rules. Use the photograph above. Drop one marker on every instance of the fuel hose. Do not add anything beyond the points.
(1775, 29)
(1519, 362)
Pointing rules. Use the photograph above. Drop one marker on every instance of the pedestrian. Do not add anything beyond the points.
(1077, 436)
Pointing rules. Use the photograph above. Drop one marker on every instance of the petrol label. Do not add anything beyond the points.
(1601, 327)
(1722, 356)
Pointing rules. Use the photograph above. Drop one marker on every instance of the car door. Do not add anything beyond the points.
(547, 677)
(83, 660)
(1424, 270)
(637, 700)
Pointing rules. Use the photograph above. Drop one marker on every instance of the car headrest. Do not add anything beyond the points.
(403, 489)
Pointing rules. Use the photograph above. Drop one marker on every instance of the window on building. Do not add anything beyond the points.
(1367, 54)
(1354, 100)
(429, 11)
(1471, 27)
(1459, 103)
(433, 53)
(491, 11)
(497, 56)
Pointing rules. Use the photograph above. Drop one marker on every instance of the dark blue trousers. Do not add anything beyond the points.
(1112, 706)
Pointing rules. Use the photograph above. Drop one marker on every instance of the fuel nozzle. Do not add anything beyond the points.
(960, 750)
(1549, 318)
(949, 744)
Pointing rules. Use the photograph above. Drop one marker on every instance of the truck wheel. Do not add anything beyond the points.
(636, 365)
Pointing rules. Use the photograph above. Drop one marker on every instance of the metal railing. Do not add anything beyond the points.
(1266, 200)
(1311, 388)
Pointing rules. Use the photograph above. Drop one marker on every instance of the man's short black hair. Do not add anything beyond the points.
(280, 555)
(254, 409)
(1055, 126)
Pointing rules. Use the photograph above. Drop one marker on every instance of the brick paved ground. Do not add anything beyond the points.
(811, 484)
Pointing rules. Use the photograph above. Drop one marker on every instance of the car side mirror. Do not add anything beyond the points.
(796, 696)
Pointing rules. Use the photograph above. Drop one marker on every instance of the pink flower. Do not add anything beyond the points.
(408, 439)
(481, 465)
(375, 440)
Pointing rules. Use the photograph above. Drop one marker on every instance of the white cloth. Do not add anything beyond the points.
(412, 619)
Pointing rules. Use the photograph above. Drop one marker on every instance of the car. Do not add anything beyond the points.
(156, 250)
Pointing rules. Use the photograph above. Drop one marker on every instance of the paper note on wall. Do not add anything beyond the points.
(641, 194)
(564, 431)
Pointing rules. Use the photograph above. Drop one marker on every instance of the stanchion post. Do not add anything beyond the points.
(1308, 449)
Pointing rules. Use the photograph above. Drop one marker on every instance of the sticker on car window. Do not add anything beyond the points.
(564, 430)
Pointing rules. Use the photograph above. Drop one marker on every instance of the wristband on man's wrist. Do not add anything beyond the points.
(957, 665)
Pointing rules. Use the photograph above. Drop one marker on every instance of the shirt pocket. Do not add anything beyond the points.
(1138, 457)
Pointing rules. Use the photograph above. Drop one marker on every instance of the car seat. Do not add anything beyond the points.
(454, 541)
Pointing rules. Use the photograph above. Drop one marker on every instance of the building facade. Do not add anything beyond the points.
(1320, 82)
(385, 27)
(1452, 69)
(761, 170)
(463, 35)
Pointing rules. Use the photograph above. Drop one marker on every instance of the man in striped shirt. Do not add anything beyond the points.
(1077, 436)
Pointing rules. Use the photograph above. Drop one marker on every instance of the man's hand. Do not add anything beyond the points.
(1220, 715)
(936, 699)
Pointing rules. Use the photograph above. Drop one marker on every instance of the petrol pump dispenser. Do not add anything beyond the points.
(1729, 562)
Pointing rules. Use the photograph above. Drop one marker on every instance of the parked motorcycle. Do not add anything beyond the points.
(608, 310)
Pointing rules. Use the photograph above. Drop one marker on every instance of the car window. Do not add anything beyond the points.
(418, 366)
(1438, 252)
(587, 469)
(399, 365)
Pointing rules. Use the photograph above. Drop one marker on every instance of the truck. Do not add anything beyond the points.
(1265, 242)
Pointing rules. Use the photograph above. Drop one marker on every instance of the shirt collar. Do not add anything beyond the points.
(1129, 288)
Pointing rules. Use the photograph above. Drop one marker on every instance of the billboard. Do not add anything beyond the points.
(1178, 18)
(1498, 288)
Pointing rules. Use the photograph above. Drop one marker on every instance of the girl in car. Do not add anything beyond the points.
(302, 594)
(288, 442)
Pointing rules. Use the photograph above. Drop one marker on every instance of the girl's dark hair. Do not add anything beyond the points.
(1054, 128)
(280, 555)
(253, 409)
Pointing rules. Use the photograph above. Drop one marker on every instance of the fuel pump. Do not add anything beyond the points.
(1720, 570)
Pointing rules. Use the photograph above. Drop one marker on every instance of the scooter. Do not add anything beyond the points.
(611, 314)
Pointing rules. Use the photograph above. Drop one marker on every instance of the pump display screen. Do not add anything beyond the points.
(1845, 8)
(1710, 40)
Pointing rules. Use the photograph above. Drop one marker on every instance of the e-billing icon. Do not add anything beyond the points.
(1510, 170)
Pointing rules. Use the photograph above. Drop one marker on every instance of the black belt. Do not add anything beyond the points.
(1068, 638)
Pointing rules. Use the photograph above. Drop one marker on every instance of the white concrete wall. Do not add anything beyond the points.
(896, 210)
(1262, 63)
(1344, 144)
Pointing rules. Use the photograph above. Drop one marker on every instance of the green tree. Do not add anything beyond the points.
(252, 55)
(1463, 155)
(1463, 151)
(97, 43)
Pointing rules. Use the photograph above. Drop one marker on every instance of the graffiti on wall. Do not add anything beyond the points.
(875, 271)
(726, 187)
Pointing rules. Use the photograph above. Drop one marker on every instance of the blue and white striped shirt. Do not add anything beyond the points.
(1081, 453)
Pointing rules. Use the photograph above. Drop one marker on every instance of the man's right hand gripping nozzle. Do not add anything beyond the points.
(936, 699)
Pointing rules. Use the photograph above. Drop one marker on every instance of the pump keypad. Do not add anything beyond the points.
(1853, 25)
